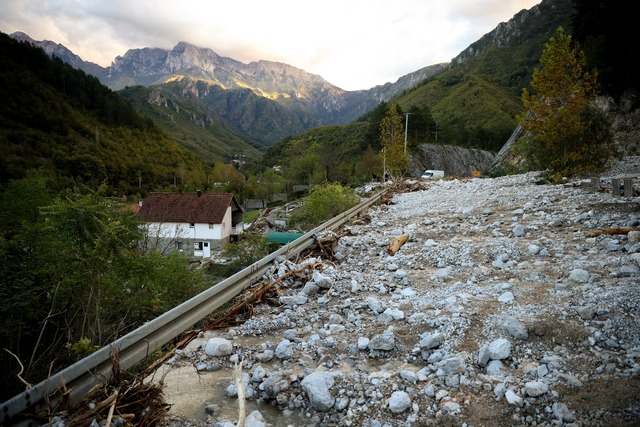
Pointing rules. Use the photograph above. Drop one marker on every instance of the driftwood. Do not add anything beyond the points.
(396, 243)
(242, 407)
(610, 231)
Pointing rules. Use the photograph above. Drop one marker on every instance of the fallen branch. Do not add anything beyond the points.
(242, 407)
(111, 409)
(256, 296)
(19, 374)
(610, 231)
(396, 244)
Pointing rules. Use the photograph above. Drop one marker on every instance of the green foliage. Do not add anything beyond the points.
(189, 124)
(73, 273)
(392, 133)
(305, 158)
(323, 203)
(64, 122)
(566, 135)
(81, 348)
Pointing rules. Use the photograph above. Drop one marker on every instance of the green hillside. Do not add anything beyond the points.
(60, 120)
(204, 133)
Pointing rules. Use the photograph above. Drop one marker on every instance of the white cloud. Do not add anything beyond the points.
(354, 44)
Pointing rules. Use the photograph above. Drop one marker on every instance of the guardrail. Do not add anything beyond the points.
(75, 381)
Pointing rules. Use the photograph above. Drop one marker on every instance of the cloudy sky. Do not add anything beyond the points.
(354, 44)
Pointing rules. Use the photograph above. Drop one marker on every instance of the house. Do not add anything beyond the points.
(195, 223)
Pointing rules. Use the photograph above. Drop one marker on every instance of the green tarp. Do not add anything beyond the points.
(282, 237)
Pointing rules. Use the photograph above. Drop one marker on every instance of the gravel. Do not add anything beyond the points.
(512, 303)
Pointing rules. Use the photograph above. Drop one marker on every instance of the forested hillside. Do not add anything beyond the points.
(77, 131)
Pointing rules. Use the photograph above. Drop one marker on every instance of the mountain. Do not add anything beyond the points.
(259, 103)
(73, 129)
(60, 51)
(474, 100)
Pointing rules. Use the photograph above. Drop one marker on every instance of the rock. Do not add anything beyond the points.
(579, 275)
(506, 297)
(284, 350)
(218, 347)
(399, 402)
(587, 312)
(394, 313)
(431, 341)
(275, 384)
(451, 407)
(317, 389)
(483, 356)
(535, 388)
(452, 365)
(363, 343)
(562, 412)
(633, 236)
(322, 280)
(499, 349)
(519, 230)
(298, 299)
(494, 368)
(255, 419)
(375, 305)
(384, 341)
(513, 398)
(514, 328)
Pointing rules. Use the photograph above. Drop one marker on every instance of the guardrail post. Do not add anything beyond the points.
(595, 183)
(615, 186)
(628, 187)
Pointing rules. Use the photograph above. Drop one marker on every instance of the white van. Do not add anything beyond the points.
(432, 174)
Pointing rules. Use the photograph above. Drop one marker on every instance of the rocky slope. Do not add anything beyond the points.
(509, 305)
(454, 161)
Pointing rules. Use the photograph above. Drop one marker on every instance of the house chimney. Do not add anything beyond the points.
(199, 193)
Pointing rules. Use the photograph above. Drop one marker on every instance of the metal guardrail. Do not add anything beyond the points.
(75, 381)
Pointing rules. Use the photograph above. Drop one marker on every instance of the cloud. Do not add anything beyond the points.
(355, 44)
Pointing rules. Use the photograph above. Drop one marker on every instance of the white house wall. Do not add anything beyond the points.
(164, 236)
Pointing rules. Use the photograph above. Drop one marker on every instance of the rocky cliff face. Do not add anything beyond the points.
(517, 28)
(454, 161)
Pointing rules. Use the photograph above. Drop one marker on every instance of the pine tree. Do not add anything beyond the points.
(565, 133)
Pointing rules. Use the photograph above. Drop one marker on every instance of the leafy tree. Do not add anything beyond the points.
(392, 136)
(268, 183)
(370, 166)
(565, 133)
(323, 203)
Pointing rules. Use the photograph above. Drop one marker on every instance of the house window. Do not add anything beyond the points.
(224, 224)
(180, 246)
(197, 246)
(211, 225)
(192, 224)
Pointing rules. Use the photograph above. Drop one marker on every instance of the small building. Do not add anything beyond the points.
(194, 223)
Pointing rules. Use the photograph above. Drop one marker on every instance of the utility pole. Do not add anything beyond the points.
(406, 128)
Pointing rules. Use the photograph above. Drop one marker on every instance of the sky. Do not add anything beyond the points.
(353, 44)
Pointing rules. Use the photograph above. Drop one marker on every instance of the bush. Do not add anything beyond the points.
(323, 203)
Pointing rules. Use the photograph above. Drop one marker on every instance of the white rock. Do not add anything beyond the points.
(535, 388)
(217, 347)
(499, 349)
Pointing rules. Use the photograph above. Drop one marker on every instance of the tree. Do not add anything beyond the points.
(392, 138)
(323, 203)
(564, 132)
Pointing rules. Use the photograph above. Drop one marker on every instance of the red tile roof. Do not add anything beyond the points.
(206, 208)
